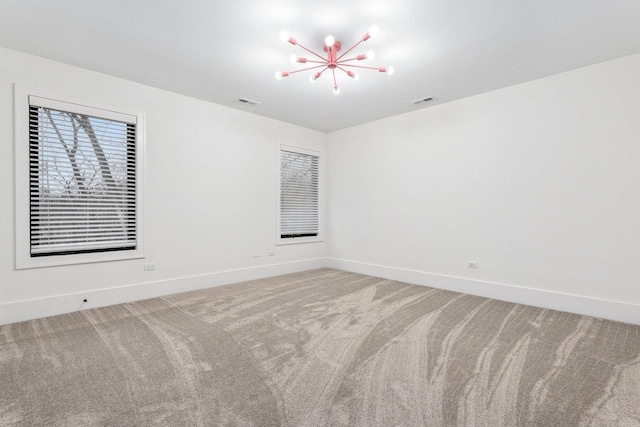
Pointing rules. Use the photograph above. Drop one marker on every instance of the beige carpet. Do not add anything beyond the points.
(323, 347)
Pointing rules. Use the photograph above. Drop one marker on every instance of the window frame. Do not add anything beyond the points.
(298, 240)
(24, 260)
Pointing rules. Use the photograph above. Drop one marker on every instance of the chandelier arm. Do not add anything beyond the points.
(349, 50)
(335, 82)
(308, 68)
(312, 52)
(347, 60)
(340, 68)
(362, 66)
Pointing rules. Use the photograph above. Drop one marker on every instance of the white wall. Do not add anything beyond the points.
(210, 196)
(537, 182)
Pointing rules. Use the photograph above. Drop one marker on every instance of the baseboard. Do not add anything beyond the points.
(43, 307)
(606, 309)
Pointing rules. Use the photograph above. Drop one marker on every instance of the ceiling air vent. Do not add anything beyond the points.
(422, 100)
(246, 101)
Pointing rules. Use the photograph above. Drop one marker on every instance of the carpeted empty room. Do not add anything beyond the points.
(366, 213)
(323, 347)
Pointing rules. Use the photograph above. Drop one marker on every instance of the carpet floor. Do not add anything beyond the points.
(320, 348)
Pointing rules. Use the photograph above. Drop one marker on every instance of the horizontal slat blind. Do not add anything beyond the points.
(298, 194)
(82, 176)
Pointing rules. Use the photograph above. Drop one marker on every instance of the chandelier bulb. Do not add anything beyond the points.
(390, 70)
(369, 55)
(336, 89)
(293, 59)
(314, 77)
(329, 41)
(285, 37)
(373, 31)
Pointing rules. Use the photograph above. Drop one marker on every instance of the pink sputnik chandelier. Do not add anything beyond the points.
(331, 61)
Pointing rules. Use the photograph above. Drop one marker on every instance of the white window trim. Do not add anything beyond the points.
(23, 258)
(298, 240)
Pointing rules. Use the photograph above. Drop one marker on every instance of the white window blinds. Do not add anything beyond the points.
(82, 174)
(298, 194)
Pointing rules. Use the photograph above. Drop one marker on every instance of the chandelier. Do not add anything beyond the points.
(331, 60)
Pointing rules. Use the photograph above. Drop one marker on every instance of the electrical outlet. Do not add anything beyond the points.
(271, 253)
(472, 264)
(150, 266)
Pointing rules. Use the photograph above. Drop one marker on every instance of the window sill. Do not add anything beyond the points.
(60, 260)
(298, 240)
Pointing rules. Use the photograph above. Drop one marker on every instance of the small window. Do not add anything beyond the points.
(299, 202)
(83, 184)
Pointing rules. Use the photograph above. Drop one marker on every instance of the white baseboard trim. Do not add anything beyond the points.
(596, 307)
(50, 306)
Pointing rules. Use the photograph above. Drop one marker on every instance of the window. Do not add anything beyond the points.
(299, 218)
(83, 183)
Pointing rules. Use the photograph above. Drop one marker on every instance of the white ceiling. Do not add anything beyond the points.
(220, 51)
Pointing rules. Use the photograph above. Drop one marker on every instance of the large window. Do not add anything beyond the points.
(83, 187)
(299, 202)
